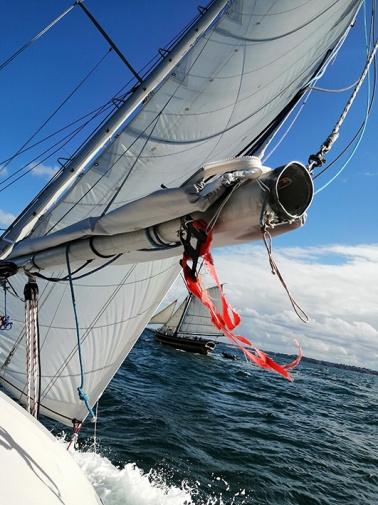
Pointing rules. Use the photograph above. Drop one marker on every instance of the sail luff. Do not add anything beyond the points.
(51, 193)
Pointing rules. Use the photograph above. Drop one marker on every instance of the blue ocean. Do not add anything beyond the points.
(179, 428)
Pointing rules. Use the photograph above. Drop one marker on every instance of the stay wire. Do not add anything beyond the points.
(359, 132)
(31, 41)
(94, 114)
(67, 139)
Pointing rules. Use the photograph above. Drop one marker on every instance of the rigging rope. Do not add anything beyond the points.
(267, 238)
(82, 394)
(317, 160)
(328, 144)
(33, 364)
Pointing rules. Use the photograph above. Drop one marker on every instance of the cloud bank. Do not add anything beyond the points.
(6, 218)
(336, 285)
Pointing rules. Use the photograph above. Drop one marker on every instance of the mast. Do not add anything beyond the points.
(189, 299)
(51, 193)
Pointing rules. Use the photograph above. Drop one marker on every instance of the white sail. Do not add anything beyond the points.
(170, 327)
(163, 315)
(113, 311)
(226, 91)
(196, 320)
(240, 74)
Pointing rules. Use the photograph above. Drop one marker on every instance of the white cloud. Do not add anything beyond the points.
(6, 218)
(336, 285)
(3, 171)
(44, 171)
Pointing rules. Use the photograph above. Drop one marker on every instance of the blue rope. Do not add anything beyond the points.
(82, 394)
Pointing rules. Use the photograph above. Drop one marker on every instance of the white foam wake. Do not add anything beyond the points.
(129, 485)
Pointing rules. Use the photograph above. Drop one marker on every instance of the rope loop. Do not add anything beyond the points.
(82, 395)
(267, 238)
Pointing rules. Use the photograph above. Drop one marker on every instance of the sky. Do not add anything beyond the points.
(330, 265)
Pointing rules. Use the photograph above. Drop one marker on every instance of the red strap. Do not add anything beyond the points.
(223, 321)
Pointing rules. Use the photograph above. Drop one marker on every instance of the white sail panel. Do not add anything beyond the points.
(226, 91)
(196, 320)
(114, 305)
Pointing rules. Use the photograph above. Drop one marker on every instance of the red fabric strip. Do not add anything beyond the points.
(226, 322)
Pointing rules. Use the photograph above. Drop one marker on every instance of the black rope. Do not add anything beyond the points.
(66, 278)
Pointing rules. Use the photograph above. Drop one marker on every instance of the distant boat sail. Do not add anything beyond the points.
(163, 316)
(190, 327)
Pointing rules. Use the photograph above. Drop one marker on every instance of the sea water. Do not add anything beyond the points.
(177, 428)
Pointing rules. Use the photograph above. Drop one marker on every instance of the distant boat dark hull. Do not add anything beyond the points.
(229, 356)
(195, 344)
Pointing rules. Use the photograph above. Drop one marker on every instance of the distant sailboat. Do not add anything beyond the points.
(86, 264)
(189, 328)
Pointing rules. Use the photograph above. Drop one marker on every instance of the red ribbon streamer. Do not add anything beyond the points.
(226, 322)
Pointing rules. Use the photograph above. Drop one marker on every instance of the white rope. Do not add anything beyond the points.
(33, 304)
(28, 356)
(32, 350)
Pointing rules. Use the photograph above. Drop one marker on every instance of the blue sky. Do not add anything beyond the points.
(330, 264)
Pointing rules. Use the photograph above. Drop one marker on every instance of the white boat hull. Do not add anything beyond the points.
(35, 467)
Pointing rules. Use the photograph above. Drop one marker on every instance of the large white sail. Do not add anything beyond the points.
(234, 82)
(238, 77)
